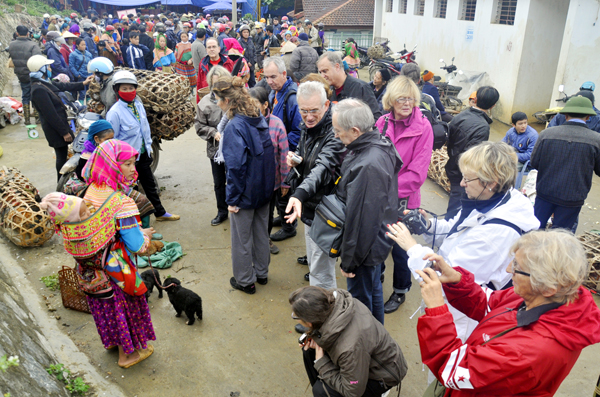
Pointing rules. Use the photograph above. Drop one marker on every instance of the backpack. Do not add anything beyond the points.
(285, 116)
(440, 128)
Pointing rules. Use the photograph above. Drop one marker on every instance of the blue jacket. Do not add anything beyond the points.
(78, 64)
(432, 91)
(44, 24)
(593, 122)
(134, 56)
(89, 44)
(293, 119)
(523, 143)
(59, 66)
(220, 38)
(127, 127)
(250, 162)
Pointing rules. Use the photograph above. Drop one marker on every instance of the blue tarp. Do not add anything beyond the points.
(176, 2)
(125, 2)
(221, 6)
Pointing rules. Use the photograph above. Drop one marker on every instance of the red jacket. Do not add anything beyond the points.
(531, 360)
(205, 67)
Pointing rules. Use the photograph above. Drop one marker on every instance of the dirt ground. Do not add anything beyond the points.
(245, 345)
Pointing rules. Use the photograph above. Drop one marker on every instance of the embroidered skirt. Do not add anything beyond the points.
(187, 71)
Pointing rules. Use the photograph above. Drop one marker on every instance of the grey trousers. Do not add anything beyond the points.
(250, 253)
(321, 266)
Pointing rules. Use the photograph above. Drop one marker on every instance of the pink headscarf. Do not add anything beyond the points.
(62, 208)
(233, 44)
(104, 166)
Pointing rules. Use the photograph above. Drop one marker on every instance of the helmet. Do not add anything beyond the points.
(73, 15)
(198, 20)
(101, 65)
(207, 15)
(244, 27)
(35, 63)
(284, 18)
(262, 20)
(46, 15)
(205, 22)
(124, 77)
(258, 25)
(109, 28)
(52, 35)
(160, 27)
(588, 85)
(285, 26)
(223, 28)
(187, 25)
(110, 16)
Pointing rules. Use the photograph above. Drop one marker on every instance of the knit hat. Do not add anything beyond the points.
(385, 75)
(303, 37)
(96, 127)
(427, 75)
(115, 21)
(579, 105)
(62, 208)
(473, 95)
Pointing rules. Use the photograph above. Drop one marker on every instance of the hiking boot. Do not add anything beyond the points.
(307, 277)
(393, 303)
(273, 248)
(249, 289)
(282, 234)
(262, 281)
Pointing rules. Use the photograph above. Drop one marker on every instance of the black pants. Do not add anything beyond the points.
(374, 388)
(402, 275)
(281, 204)
(252, 81)
(456, 193)
(61, 158)
(220, 183)
(146, 179)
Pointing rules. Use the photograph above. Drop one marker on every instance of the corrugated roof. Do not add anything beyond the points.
(340, 12)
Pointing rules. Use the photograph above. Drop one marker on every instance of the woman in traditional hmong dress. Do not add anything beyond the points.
(183, 55)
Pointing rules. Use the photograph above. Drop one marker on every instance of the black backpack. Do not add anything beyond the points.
(440, 128)
(285, 116)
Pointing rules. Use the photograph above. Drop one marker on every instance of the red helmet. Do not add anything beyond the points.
(198, 20)
(223, 27)
(73, 15)
(110, 27)
(187, 25)
(284, 18)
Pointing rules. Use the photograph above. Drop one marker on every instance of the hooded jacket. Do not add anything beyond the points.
(20, 51)
(59, 66)
(250, 162)
(413, 139)
(322, 155)
(358, 349)
(531, 360)
(78, 63)
(482, 249)
(304, 60)
(369, 187)
(522, 143)
(467, 129)
(208, 116)
(90, 45)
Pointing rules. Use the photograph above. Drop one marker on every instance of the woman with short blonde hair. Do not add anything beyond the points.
(401, 87)
(492, 162)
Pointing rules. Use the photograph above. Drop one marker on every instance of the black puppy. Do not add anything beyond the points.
(150, 281)
(183, 300)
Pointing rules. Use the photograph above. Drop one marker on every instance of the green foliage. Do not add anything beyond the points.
(73, 385)
(51, 282)
(7, 362)
(248, 16)
(11, 2)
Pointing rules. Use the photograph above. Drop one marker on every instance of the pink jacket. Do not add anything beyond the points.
(413, 139)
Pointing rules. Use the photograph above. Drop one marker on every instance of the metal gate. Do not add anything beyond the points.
(336, 40)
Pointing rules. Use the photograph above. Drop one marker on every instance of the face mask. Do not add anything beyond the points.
(48, 73)
(127, 96)
(98, 79)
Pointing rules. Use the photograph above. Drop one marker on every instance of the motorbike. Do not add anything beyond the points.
(408, 57)
(392, 62)
(365, 60)
(449, 92)
(546, 116)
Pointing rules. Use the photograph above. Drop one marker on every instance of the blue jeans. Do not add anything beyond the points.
(402, 276)
(564, 217)
(366, 287)
(25, 93)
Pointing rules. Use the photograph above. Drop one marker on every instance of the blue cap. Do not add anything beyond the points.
(96, 127)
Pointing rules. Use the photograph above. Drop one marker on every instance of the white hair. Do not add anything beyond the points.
(309, 89)
(278, 61)
(354, 113)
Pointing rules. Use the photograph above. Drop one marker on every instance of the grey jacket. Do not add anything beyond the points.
(208, 115)
(198, 53)
(107, 95)
(20, 51)
(304, 60)
(358, 348)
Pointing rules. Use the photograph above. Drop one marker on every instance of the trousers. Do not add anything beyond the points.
(320, 265)
(25, 93)
(281, 204)
(402, 276)
(374, 388)
(564, 217)
(220, 183)
(250, 254)
(61, 158)
(366, 287)
(146, 179)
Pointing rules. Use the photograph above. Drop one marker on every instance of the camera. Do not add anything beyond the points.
(303, 339)
(297, 159)
(414, 221)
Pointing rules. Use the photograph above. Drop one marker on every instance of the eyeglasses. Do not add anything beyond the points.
(294, 317)
(469, 180)
(402, 100)
(514, 266)
(305, 112)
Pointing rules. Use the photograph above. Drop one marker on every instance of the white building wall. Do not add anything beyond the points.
(580, 51)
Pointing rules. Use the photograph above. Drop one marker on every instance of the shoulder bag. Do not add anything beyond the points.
(327, 227)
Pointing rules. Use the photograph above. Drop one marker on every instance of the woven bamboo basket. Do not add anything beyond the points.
(71, 294)
(22, 220)
(274, 51)
(170, 126)
(202, 92)
(436, 171)
(591, 245)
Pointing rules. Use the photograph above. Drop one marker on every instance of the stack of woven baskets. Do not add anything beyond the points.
(22, 220)
(436, 171)
(165, 98)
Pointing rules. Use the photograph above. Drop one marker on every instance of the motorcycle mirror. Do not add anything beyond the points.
(415, 47)
(561, 88)
(441, 60)
(452, 59)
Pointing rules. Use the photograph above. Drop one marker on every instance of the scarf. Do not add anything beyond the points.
(482, 206)
(104, 166)
(351, 50)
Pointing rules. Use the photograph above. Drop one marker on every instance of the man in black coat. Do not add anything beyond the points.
(467, 129)
(20, 51)
(331, 67)
(249, 52)
(45, 99)
(369, 188)
(148, 42)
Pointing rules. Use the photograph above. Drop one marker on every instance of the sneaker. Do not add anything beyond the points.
(249, 289)
(303, 260)
(273, 248)
(220, 218)
(301, 329)
(307, 277)
(262, 281)
(277, 222)
(168, 217)
(282, 234)
(393, 303)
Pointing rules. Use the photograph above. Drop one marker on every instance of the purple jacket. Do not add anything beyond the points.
(413, 139)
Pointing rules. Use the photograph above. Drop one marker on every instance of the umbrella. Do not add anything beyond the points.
(220, 5)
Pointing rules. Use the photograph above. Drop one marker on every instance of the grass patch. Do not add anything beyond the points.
(75, 385)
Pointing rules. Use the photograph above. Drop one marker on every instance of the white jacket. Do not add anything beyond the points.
(481, 249)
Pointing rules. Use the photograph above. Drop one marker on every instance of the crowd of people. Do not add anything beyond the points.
(306, 139)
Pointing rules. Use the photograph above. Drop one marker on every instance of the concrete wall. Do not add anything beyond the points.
(580, 50)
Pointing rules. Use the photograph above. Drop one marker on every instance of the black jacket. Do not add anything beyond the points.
(148, 56)
(20, 51)
(467, 129)
(249, 50)
(369, 187)
(358, 89)
(566, 158)
(45, 99)
(322, 154)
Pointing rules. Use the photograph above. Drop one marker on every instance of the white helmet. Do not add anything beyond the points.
(35, 63)
(124, 77)
(46, 15)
